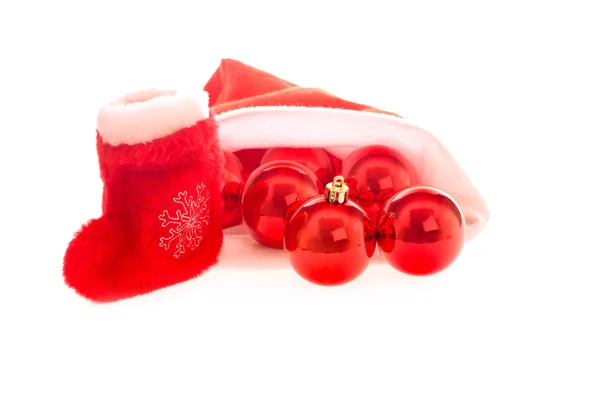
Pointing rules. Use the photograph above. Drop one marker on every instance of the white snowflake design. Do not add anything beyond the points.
(188, 223)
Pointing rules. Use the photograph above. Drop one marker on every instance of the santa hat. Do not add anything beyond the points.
(162, 165)
(256, 110)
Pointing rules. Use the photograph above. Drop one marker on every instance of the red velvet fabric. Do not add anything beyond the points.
(237, 85)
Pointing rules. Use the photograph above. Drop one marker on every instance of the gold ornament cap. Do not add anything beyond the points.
(336, 192)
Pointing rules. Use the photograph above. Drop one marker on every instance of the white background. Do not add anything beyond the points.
(511, 88)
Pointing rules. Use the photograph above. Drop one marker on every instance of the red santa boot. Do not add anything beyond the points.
(161, 165)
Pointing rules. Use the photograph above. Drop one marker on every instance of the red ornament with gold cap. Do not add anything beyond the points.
(329, 239)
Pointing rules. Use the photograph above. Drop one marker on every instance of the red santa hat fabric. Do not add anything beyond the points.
(256, 110)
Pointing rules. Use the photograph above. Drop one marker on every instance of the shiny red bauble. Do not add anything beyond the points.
(271, 193)
(422, 230)
(374, 174)
(329, 244)
(234, 176)
(315, 159)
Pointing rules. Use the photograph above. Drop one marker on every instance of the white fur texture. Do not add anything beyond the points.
(341, 131)
(143, 116)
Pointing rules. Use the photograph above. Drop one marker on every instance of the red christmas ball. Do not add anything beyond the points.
(374, 174)
(315, 159)
(328, 243)
(271, 193)
(234, 176)
(422, 230)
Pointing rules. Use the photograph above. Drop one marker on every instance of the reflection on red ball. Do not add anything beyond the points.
(422, 231)
(315, 159)
(234, 176)
(374, 174)
(271, 194)
(329, 244)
